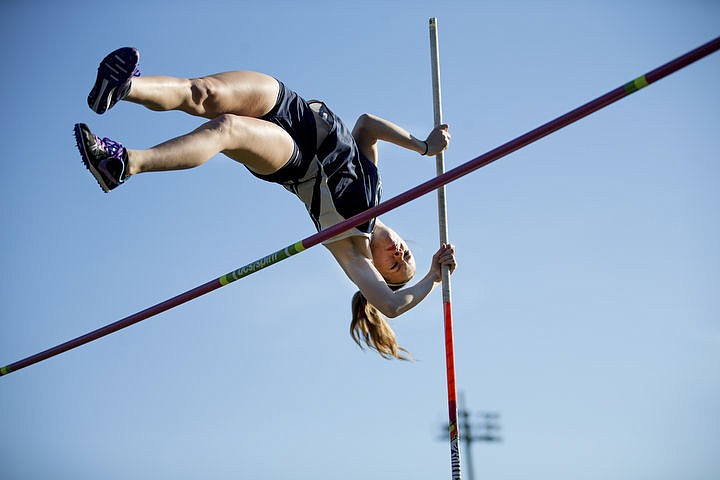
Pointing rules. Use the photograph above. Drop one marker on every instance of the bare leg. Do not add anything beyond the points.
(240, 92)
(234, 101)
(260, 145)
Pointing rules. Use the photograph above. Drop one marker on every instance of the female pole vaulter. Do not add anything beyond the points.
(279, 137)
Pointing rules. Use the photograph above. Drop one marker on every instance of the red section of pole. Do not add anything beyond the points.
(450, 363)
(452, 395)
(397, 201)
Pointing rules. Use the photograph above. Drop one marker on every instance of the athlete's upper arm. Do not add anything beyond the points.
(360, 269)
(365, 138)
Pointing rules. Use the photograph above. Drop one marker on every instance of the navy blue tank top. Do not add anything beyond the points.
(334, 179)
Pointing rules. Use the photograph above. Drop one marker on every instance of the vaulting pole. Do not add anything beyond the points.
(446, 297)
(403, 198)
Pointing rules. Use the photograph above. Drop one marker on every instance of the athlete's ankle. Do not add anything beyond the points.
(132, 163)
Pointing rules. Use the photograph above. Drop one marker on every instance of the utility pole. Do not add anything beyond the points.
(483, 430)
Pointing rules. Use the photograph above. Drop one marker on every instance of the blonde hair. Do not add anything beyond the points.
(369, 328)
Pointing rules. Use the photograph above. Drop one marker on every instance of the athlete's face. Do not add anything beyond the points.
(391, 255)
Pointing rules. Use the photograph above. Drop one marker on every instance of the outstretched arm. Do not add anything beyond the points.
(370, 128)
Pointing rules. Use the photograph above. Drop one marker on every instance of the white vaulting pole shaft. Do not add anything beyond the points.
(442, 222)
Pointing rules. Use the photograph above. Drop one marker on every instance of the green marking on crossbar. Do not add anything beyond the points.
(266, 261)
(5, 370)
(637, 84)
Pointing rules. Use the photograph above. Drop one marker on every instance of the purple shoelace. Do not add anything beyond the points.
(113, 148)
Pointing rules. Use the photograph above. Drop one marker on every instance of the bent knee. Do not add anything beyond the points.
(205, 94)
(227, 124)
(235, 132)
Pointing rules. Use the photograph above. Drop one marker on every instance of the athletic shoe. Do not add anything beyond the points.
(114, 76)
(106, 159)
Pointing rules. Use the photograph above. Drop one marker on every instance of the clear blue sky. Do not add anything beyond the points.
(587, 304)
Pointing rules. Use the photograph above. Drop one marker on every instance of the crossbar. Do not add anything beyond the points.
(384, 207)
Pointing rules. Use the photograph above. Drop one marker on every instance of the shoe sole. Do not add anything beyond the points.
(80, 142)
(114, 70)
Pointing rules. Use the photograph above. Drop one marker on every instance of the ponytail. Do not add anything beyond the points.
(368, 327)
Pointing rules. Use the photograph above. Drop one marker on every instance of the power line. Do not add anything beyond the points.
(484, 427)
